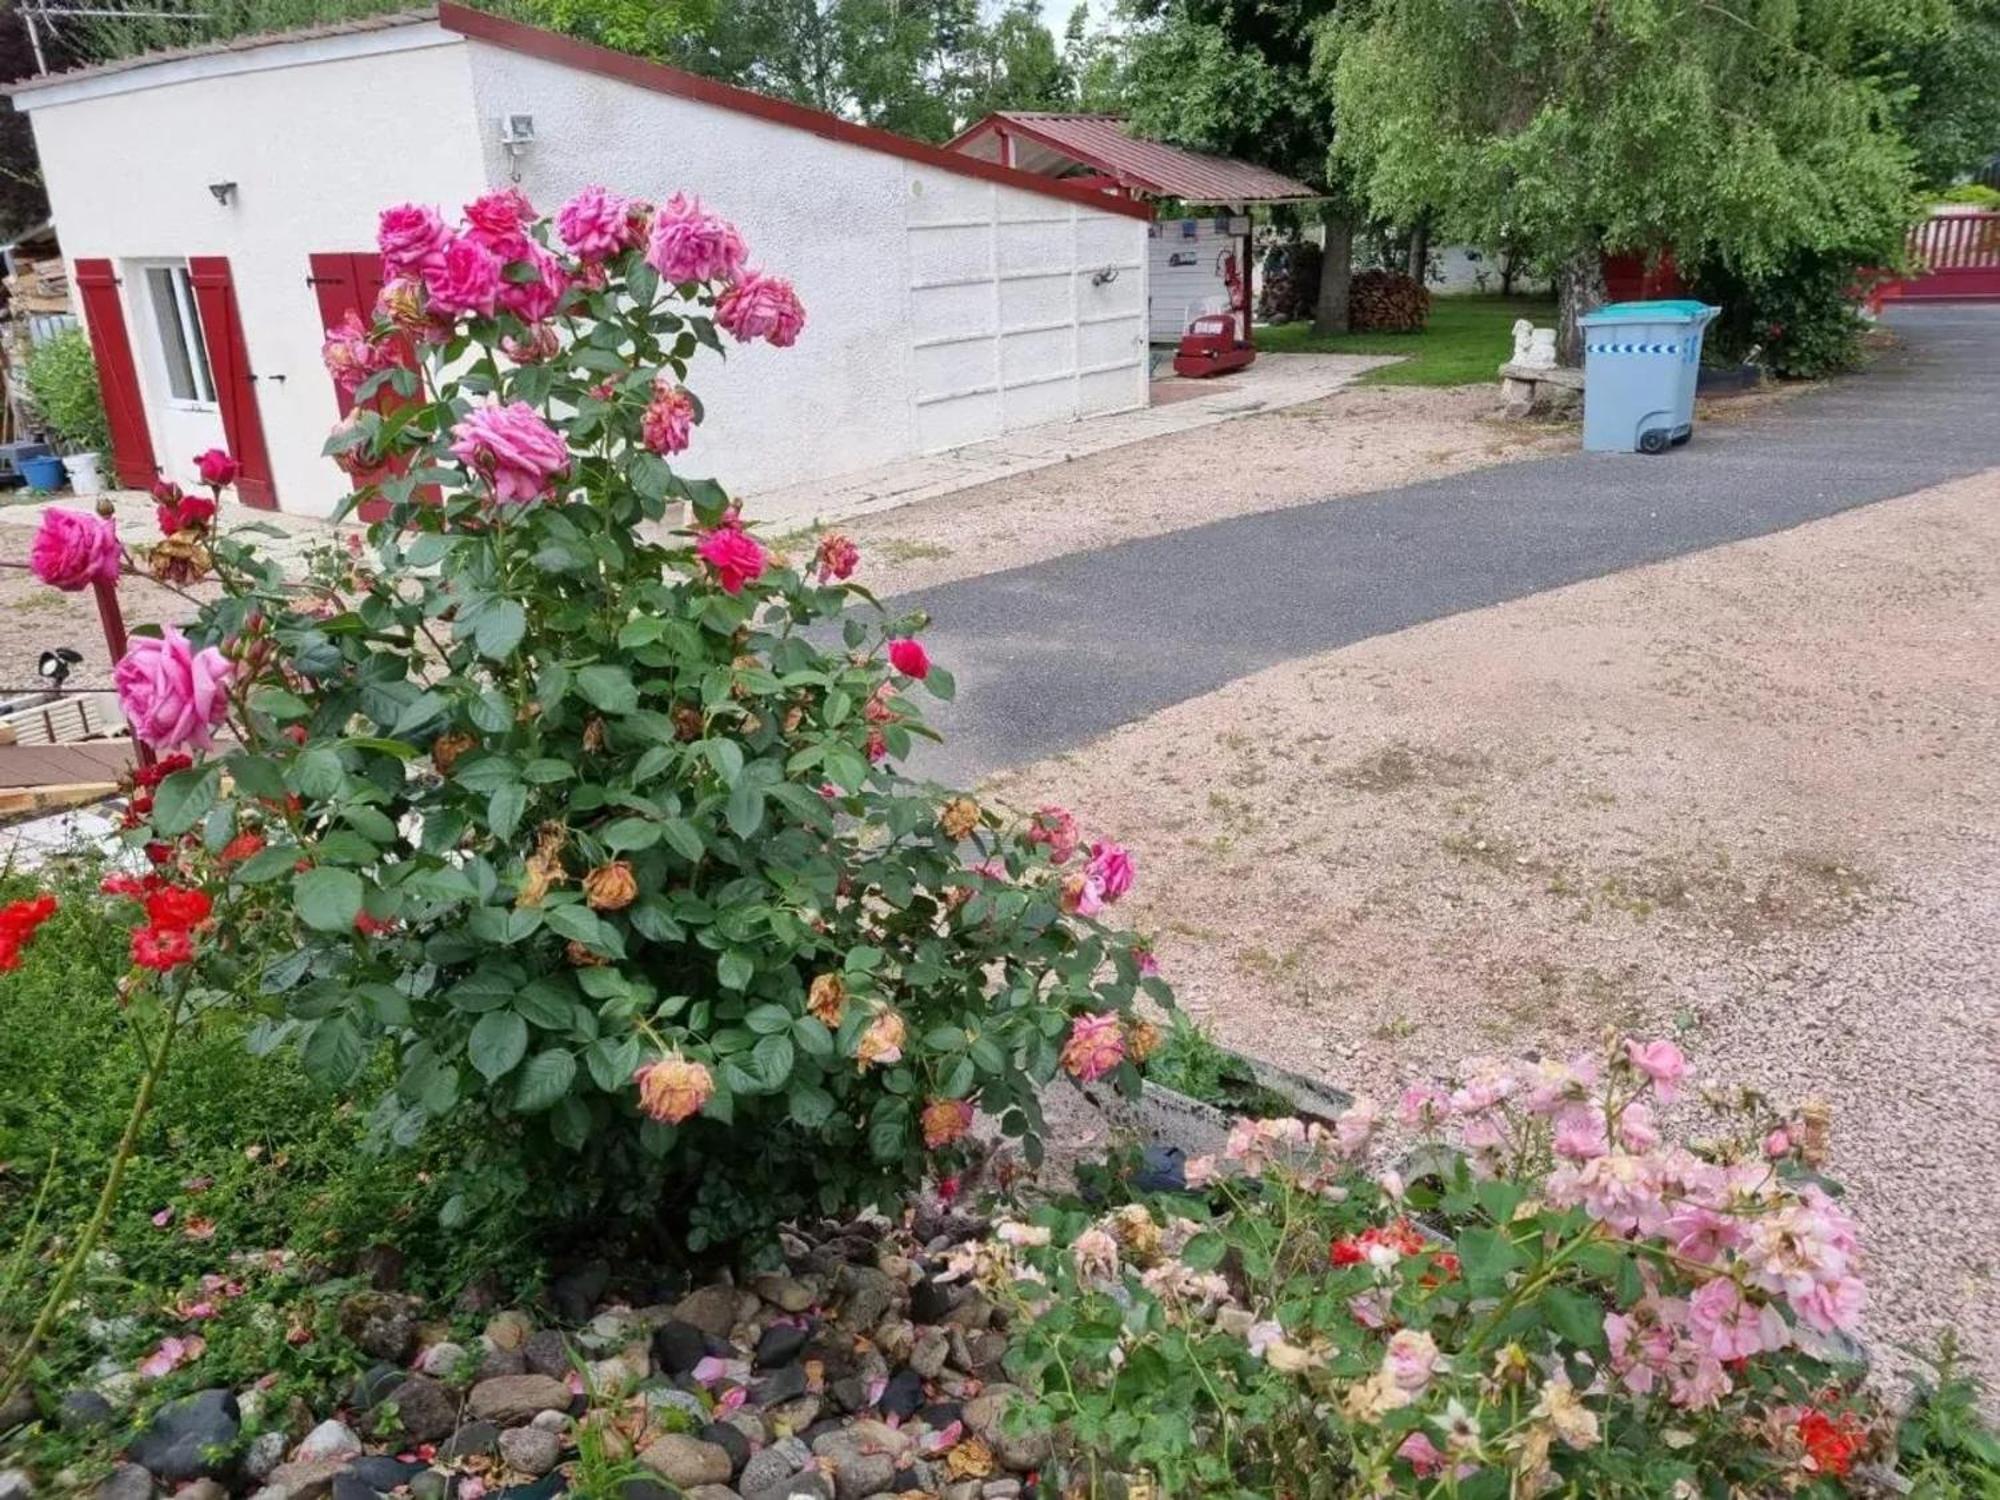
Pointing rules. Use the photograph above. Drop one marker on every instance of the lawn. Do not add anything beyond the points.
(1468, 339)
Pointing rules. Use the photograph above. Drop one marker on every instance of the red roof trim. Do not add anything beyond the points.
(1014, 125)
(1174, 172)
(515, 36)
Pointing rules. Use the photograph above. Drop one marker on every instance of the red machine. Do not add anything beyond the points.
(1217, 343)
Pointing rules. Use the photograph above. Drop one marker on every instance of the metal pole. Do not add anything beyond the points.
(35, 39)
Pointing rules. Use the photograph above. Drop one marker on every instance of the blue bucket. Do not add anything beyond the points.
(43, 473)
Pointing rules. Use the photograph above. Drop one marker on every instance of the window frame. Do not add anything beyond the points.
(186, 316)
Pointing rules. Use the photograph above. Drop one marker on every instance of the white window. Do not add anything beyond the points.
(183, 354)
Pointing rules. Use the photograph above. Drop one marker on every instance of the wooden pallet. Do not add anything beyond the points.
(60, 721)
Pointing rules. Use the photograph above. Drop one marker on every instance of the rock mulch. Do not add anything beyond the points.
(857, 1372)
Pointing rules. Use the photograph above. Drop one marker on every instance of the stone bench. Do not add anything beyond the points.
(1529, 388)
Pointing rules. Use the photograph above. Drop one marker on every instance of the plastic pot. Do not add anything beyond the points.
(45, 474)
(83, 475)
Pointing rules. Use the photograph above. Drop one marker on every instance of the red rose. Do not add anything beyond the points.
(216, 468)
(161, 948)
(908, 656)
(175, 908)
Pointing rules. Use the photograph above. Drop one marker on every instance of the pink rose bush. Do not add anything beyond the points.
(466, 279)
(71, 550)
(761, 307)
(1535, 1298)
(412, 240)
(688, 243)
(513, 449)
(174, 696)
(595, 225)
(668, 425)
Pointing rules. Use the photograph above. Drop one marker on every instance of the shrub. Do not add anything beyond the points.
(591, 821)
(1380, 301)
(1971, 195)
(1803, 322)
(1544, 1297)
(62, 378)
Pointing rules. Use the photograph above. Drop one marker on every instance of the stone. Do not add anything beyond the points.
(384, 1473)
(307, 1479)
(430, 1485)
(666, 1398)
(495, 1363)
(684, 1461)
(793, 1416)
(986, 1415)
(15, 1483)
(931, 1301)
(1001, 1489)
(867, 1296)
(712, 1309)
(609, 1329)
(84, 1411)
(711, 1492)
(330, 1439)
(988, 1349)
(638, 1487)
(514, 1399)
(382, 1265)
(896, 1339)
(786, 1293)
(557, 1422)
(751, 1426)
(126, 1482)
(547, 1353)
(530, 1449)
(442, 1361)
(857, 1476)
(201, 1489)
(941, 1414)
(509, 1330)
(903, 1395)
(383, 1324)
(575, 1292)
(545, 1488)
(731, 1440)
(780, 1345)
(426, 1410)
(811, 1485)
(678, 1346)
(347, 1485)
(780, 1385)
(265, 1453)
(374, 1383)
(191, 1438)
(19, 1409)
(972, 1314)
(965, 1489)
(773, 1466)
(473, 1440)
(928, 1358)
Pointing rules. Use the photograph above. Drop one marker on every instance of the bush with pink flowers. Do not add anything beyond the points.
(579, 797)
(1531, 1291)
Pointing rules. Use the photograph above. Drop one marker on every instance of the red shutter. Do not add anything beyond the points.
(131, 443)
(235, 382)
(335, 284)
(348, 282)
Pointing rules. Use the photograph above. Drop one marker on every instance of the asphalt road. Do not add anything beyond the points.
(1050, 656)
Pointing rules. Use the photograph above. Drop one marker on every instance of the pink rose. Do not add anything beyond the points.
(688, 243)
(1096, 1046)
(532, 301)
(173, 695)
(217, 469)
(761, 307)
(1411, 1359)
(412, 240)
(908, 656)
(1731, 1326)
(72, 550)
(734, 556)
(836, 557)
(1111, 867)
(512, 448)
(594, 224)
(350, 355)
(1660, 1061)
(467, 280)
(668, 423)
(1055, 827)
(499, 220)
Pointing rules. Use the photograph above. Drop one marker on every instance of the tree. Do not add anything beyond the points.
(1236, 77)
(1951, 98)
(1746, 135)
(1093, 64)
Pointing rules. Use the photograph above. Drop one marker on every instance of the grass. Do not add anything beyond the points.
(1467, 340)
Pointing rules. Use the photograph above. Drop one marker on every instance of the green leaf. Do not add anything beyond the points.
(505, 808)
(333, 1052)
(629, 834)
(685, 838)
(734, 969)
(746, 809)
(1485, 1257)
(185, 798)
(499, 630)
(279, 704)
(1205, 1251)
(811, 1105)
(1577, 1318)
(327, 900)
(608, 688)
(613, 1061)
(768, 1020)
(544, 1080)
(266, 864)
(941, 683)
(257, 776)
(498, 1039)
(772, 1058)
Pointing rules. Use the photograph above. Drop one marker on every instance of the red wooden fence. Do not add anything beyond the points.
(1958, 253)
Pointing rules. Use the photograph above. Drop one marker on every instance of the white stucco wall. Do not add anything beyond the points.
(317, 136)
(940, 309)
(1181, 293)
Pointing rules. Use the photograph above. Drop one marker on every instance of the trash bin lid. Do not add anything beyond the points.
(1676, 310)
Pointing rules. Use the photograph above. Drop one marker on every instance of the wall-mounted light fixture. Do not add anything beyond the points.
(222, 192)
(1104, 277)
(517, 134)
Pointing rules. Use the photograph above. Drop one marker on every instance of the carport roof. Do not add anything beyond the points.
(1053, 144)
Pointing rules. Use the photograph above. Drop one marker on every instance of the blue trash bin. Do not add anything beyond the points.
(1640, 364)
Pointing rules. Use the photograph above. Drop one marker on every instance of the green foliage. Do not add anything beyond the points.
(1467, 339)
(1945, 1447)
(1801, 319)
(1948, 105)
(545, 802)
(240, 1156)
(62, 378)
(1191, 1062)
(1740, 136)
(1970, 195)
(149, 29)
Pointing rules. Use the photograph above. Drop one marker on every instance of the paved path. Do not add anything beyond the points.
(1047, 657)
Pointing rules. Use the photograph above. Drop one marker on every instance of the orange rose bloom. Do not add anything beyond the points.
(447, 748)
(882, 1042)
(673, 1089)
(610, 887)
(828, 999)
(944, 1121)
(959, 817)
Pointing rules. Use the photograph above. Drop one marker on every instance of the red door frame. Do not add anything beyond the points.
(124, 404)
(235, 381)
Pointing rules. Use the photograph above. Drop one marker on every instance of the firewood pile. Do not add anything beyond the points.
(1386, 302)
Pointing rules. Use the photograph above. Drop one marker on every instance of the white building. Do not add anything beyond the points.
(218, 206)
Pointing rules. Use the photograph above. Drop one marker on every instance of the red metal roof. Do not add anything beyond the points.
(1106, 144)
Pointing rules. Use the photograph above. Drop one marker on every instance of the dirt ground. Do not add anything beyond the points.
(1749, 798)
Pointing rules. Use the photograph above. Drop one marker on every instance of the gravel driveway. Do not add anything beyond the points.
(1749, 797)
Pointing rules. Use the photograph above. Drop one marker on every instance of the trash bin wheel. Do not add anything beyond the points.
(1655, 440)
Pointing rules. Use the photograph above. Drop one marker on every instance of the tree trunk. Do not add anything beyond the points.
(1420, 250)
(1579, 290)
(1336, 270)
